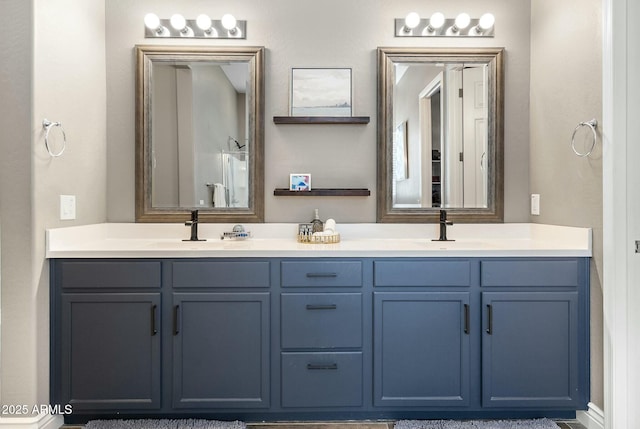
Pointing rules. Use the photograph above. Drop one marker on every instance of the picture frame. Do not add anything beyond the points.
(300, 182)
(401, 151)
(321, 92)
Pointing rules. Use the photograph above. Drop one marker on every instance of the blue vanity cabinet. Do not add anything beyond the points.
(320, 338)
(106, 335)
(220, 334)
(321, 334)
(220, 350)
(422, 333)
(535, 338)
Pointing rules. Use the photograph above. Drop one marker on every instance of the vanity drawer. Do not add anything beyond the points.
(109, 274)
(323, 273)
(323, 320)
(321, 379)
(432, 272)
(530, 272)
(224, 273)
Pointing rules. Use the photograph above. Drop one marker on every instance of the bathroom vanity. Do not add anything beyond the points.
(384, 324)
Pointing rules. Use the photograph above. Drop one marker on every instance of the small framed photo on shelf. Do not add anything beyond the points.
(321, 92)
(300, 182)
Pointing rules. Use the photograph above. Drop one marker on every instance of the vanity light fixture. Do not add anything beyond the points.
(411, 21)
(485, 23)
(179, 23)
(152, 23)
(204, 23)
(435, 23)
(201, 27)
(461, 22)
(439, 26)
(230, 23)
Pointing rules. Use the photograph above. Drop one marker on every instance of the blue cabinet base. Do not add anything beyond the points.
(308, 339)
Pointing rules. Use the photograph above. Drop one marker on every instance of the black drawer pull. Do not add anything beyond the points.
(321, 306)
(313, 366)
(490, 319)
(321, 275)
(466, 318)
(154, 315)
(176, 320)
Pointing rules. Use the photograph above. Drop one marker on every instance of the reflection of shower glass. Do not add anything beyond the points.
(235, 177)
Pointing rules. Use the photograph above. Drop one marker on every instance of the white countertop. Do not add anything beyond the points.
(139, 240)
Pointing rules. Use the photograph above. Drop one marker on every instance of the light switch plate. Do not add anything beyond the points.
(67, 207)
(535, 204)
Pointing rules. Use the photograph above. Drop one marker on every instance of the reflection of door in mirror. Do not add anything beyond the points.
(474, 149)
(199, 125)
(445, 106)
(430, 114)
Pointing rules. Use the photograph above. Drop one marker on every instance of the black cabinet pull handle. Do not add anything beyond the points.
(466, 318)
(176, 320)
(154, 315)
(316, 275)
(321, 366)
(321, 306)
(490, 319)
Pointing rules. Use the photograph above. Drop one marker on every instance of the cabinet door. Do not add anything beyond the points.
(421, 349)
(110, 351)
(221, 350)
(529, 349)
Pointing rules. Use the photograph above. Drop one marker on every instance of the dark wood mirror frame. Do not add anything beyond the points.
(145, 212)
(386, 57)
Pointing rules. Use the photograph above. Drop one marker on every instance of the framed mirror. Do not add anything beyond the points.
(199, 133)
(440, 134)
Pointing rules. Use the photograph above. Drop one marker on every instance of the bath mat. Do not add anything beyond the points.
(476, 424)
(164, 424)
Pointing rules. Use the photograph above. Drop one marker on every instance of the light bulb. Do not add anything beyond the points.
(203, 22)
(178, 22)
(151, 21)
(486, 21)
(228, 21)
(437, 20)
(462, 21)
(412, 20)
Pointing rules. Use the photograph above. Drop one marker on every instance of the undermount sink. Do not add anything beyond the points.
(458, 245)
(188, 245)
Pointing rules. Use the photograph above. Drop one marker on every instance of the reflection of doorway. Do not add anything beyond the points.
(474, 107)
(430, 113)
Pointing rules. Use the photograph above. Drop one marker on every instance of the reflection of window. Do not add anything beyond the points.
(400, 153)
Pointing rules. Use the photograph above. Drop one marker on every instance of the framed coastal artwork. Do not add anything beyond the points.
(300, 182)
(321, 92)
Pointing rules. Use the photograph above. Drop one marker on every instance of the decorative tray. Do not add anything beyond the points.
(319, 239)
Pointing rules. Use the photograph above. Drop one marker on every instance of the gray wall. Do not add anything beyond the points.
(17, 355)
(336, 156)
(566, 88)
(54, 71)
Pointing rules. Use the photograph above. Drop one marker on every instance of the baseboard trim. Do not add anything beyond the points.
(42, 421)
(593, 418)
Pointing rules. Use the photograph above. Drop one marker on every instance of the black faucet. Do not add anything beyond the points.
(193, 223)
(443, 226)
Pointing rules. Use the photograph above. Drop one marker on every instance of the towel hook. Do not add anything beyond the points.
(592, 124)
(48, 125)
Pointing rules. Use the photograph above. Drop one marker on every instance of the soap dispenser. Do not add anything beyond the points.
(316, 223)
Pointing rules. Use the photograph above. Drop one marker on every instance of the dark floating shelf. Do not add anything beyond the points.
(321, 119)
(324, 192)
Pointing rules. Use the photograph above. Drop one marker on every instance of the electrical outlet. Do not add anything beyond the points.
(67, 207)
(535, 204)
